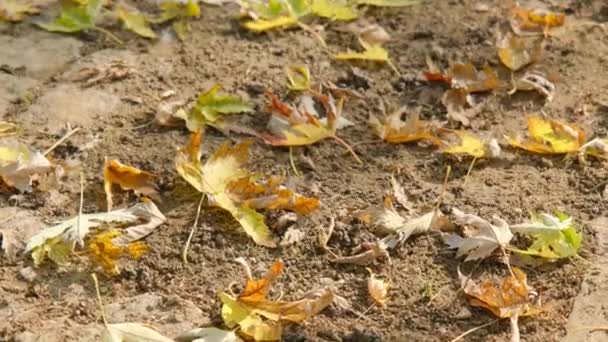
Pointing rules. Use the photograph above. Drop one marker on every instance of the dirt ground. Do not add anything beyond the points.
(58, 304)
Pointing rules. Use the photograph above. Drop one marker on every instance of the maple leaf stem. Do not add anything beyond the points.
(313, 32)
(101, 309)
(472, 330)
(109, 34)
(198, 214)
(293, 164)
(514, 328)
(60, 141)
(349, 148)
(466, 177)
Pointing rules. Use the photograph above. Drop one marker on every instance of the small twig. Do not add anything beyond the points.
(590, 328)
(313, 32)
(60, 141)
(365, 142)
(466, 177)
(470, 331)
(292, 162)
(348, 147)
(364, 312)
(101, 309)
(198, 214)
(393, 66)
(109, 35)
(80, 207)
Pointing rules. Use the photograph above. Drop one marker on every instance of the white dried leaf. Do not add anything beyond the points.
(292, 236)
(131, 332)
(208, 335)
(542, 222)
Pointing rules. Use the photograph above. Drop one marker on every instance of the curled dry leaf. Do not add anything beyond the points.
(554, 236)
(548, 136)
(58, 241)
(208, 335)
(517, 52)
(292, 236)
(399, 194)
(473, 146)
(129, 178)
(485, 239)
(514, 298)
(534, 21)
(394, 130)
(371, 252)
(131, 332)
(325, 234)
(19, 166)
(377, 289)
(597, 147)
(535, 81)
(298, 78)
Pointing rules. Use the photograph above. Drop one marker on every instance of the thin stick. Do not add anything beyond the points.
(198, 214)
(293, 164)
(313, 32)
(103, 314)
(469, 172)
(80, 208)
(60, 141)
(364, 312)
(348, 147)
(590, 328)
(515, 337)
(109, 35)
(444, 187)
(470, 331)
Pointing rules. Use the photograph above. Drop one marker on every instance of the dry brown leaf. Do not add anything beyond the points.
(517, 52)
(256, 290)
(371, 252)
(394, 130)
(377, 289)
(129, 178)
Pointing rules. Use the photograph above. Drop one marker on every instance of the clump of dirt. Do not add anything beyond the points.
(51, 303)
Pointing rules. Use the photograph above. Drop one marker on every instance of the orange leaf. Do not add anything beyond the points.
(550, 137)
(256, 290)
(535, 21)
(104, 252)
(394, 130)
(467, 77)
(129, 178)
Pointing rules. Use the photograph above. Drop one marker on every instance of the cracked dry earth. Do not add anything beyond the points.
(39, 91)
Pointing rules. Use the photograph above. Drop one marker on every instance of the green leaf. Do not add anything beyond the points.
(387, 3)
(298, 77)
(334, 10)
(555, 237)
(299, 8)
(55, 249)
(211, 107)
(174, 9)
(262, 25)
(74, 17)
(135, 22)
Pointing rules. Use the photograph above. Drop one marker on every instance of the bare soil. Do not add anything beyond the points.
(58, 304)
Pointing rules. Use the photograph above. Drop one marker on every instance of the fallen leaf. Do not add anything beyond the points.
(256, 291)
(473, 146)
(152, 217)
(64, 236)
(550, 137)
(116, 70)
(135, 21)
(129, 178)
(467, 77)
(179, 12)
(19, 166)
(514, 298)
(262, 25)
(74, 17)
(597, 147)
(517, 52)
(298, 77)
(292, 236)
(377, 289)
(104, 252)
(375, 53)
(371, 252)
(394, 130)
(484, 241)
(16, 10)
(131, 332)
(387, 3)
(208, 335)
(399, 194)
(554, 237)
(211, 109)
(250, 324)
(535, 81)
(534, 21)
(335, 10)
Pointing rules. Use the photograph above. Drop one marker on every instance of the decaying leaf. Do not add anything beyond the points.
(534, 21)
(555, 237)
(548, 136)
(62, 238)
(234, 189)
(262, 319)
(74, 17)
(473, 146)
(103, 251)
(298, 77)
(129, 178)
(334, 9)
(19, 166)
(484, 240)
(394, 129)
(131, 332)
(208, 335)
(211, 108)
(513, 299)
(377, 289)
(16, 10)
(135, 21)
(517, 52)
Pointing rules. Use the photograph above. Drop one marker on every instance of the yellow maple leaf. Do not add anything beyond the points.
(550, 137)
(394, 130)
(128, 177)
(517, 52)
(103, 251)
(262, 25)
(471, 145)
(371, 52)
(334, 10)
